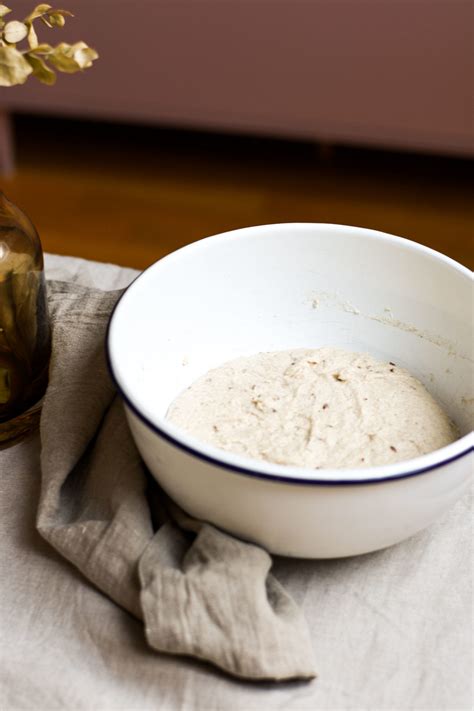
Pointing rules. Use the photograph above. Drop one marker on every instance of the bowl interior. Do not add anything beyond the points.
(289, 286)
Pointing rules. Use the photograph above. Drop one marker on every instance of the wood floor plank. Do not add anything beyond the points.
(132, 194)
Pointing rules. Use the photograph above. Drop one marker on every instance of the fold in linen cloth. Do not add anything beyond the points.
(199, 591)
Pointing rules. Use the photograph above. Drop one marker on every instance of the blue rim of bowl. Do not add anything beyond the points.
(248, 471)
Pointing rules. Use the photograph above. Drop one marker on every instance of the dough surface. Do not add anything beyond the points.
(323, 408)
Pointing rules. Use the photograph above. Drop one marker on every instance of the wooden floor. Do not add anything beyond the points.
(130, 195)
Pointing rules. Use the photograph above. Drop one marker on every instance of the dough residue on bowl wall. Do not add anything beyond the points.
(318, 408)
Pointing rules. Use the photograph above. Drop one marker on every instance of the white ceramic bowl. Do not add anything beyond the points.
(288, 286)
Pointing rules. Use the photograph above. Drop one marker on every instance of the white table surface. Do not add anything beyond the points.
(391, 630)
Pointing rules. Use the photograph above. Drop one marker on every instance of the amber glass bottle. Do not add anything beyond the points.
(25, 338)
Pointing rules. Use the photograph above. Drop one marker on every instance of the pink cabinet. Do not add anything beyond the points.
(389, 73)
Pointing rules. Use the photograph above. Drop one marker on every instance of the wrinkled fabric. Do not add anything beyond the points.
(391, 630)
(207, 594)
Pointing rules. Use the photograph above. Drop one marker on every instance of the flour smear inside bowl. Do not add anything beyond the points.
(323, 408)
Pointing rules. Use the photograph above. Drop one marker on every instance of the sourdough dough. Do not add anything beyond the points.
(324, 408)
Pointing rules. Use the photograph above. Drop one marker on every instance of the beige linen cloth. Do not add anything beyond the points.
(210, 597)
(391, 631)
